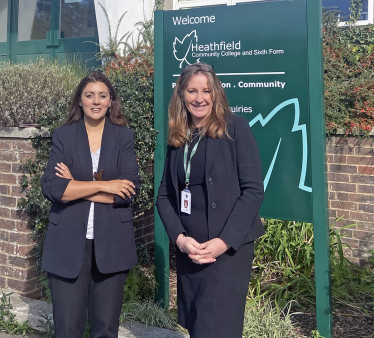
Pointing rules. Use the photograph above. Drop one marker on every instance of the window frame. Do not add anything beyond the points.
(369, 21)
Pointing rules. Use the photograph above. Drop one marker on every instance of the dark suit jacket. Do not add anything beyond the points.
(113, 229)
(234, 184)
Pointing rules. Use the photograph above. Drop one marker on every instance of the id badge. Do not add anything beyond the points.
(186, 201)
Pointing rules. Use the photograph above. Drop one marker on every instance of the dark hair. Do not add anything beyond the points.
(114, 111)
(180, 122)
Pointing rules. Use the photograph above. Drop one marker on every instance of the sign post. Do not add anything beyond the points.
(318, 148)
(269, 60)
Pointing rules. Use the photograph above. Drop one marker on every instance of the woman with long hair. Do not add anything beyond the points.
(213, 163)
(91, 178)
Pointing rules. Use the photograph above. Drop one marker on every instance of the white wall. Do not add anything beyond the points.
(137, 10)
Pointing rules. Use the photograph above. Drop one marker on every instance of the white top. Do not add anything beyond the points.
(90, 225)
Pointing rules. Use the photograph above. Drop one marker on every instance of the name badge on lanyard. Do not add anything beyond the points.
(186, 194)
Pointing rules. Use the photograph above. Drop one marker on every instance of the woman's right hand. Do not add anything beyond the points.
(121, 188)
(63, 171)
(191, 247)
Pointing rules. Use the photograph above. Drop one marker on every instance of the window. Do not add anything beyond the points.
(77, 18)
(366, 15)
(34, 19)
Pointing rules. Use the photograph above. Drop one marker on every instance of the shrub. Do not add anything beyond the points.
(284, 268)
(30, 91)
(349, 80)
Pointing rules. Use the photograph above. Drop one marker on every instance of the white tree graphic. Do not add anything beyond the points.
(182, 48)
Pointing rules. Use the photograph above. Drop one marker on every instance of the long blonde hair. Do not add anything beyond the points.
(180, 122)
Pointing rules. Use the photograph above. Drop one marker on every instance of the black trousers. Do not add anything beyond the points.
(99, 294)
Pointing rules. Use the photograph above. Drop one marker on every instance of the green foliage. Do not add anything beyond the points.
(149, 313)
(140, 286)
(8, 320)
(46, 326)
(29, 91)
(284, 268)
(349, 80)
(112, 48)
(263, 320)
(159, 5)
(371, 259)
(355, 10)
(140, 283)
(316, 334)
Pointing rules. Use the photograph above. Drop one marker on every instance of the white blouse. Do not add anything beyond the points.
(90, 225)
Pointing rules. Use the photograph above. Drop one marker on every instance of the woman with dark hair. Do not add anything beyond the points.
(91, 178)
(213, 162)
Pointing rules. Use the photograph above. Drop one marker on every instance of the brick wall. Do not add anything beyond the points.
(17, 260)
(351, 191)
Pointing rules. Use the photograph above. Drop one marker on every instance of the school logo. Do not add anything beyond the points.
(182, 49)
(297, 127)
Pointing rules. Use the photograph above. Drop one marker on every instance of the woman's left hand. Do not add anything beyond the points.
(63, 171)
(217, 247)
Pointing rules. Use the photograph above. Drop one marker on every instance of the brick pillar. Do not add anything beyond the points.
(351, 191)
(17, 261)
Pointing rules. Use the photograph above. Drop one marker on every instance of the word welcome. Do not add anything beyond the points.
(193, 20)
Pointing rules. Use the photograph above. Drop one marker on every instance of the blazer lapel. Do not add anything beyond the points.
(107, 144)
(212, 146)
(84, 154)
(85, 161)
(174, 157)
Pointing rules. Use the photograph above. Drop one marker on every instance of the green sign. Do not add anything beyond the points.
(259, 52)
(268, 56)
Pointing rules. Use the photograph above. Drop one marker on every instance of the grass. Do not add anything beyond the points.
(150, 313)
(261, 319)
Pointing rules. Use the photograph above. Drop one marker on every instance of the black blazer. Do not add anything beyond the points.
(234, 184)
(64, 246)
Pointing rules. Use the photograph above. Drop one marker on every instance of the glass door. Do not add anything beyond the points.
(33, 26)
(78, 31)
(50, 29)
(4, 12)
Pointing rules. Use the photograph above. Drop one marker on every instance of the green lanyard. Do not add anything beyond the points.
(187, 166)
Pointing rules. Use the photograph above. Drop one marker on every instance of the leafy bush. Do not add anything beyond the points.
(284, 268)
(30, 91)
(349, 80)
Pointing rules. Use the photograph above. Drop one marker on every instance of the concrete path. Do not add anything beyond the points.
(33, 310)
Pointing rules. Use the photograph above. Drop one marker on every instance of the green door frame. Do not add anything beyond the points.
(53, 46)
